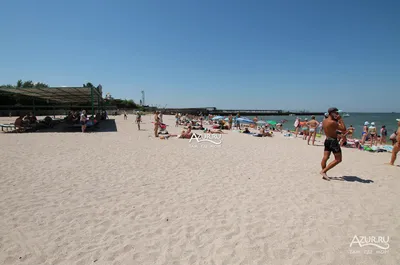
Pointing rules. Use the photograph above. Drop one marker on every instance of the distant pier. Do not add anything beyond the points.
(243, 112)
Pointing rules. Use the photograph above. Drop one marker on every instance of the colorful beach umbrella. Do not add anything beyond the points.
(272, 122)
(217, 118)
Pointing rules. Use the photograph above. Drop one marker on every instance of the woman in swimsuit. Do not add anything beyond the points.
(383, 135)
(305, 129)
(372, 132)
(350, 132)
(365, 132)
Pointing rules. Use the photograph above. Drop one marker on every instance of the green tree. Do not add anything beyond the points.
(19, 83)
(88, 84)
(40, 84)
(28, 84)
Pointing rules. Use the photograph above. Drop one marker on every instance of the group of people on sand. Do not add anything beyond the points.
(309, 129)
(333, 126)
(27, 121)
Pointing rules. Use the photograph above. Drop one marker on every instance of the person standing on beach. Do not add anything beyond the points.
(332, 125)
(156, 123)
(364, 132)
(350, 132)
(396, 146)
(237, 122)
(297, 126)
(372, 133)
(383, 135)
(313, 125)
(230, 120)
(138, 119)
(176, 119)
(305, 128)
(125, 115)
(83, 120)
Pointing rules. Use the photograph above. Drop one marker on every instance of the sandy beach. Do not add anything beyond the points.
(124, 197)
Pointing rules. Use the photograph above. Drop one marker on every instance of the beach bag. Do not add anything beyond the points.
(393, 136)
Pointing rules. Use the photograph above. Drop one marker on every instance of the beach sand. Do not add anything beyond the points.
(125, 197)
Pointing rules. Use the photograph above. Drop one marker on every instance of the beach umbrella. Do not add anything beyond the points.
(217, 118)
(272, 122)
(243, 120)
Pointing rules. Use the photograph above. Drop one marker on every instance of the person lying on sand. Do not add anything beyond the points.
(217, 131)
(263, 133)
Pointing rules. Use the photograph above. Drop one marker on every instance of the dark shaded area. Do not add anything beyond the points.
(103, 126)
(353, 179)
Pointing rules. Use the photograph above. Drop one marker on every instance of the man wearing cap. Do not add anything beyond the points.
(332, 126)
(396, 146)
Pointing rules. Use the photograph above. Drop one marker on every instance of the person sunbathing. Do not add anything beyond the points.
(186, 134)
(218, 131)
(263, 133)
(246, 130)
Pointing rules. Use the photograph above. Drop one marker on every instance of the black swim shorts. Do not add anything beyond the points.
(332, 145)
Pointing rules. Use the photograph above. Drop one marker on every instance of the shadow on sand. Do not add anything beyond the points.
(103, 126)
(353, 179)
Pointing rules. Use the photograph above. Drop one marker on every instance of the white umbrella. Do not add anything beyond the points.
(243, 120)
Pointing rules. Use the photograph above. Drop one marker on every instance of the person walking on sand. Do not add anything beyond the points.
(313, 125)
(297, 126)
(125, 115)
(332, 125)
(396, 146)
(230, 120)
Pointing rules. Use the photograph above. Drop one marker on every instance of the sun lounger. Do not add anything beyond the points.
(7, 126)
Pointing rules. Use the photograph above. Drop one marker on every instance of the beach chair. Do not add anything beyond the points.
(8, 127)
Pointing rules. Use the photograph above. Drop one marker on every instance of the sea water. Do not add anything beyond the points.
(355, 119)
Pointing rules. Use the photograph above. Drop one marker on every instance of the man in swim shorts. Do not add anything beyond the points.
(313, 125)
(396, 146)
(331, 125)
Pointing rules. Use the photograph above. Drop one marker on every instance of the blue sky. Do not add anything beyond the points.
(261, 54)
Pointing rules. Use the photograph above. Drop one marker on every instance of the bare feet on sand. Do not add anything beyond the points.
(389, 164)
(325, 176)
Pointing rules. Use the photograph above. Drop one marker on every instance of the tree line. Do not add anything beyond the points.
(16, 99)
